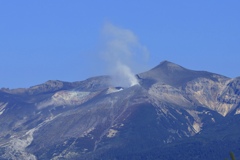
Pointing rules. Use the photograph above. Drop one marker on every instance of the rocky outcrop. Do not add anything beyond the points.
(92, 119)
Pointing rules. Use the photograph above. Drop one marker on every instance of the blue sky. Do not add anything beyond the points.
(62, 40)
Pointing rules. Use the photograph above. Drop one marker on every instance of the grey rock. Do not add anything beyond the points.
(91, 119)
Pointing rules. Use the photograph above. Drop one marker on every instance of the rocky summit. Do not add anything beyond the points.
(173, 113)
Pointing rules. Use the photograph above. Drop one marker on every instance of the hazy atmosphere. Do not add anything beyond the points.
(74, 40)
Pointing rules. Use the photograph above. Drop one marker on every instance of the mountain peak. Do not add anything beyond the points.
(175, 75)
(169, 66)
(178, 103)
(166, 62)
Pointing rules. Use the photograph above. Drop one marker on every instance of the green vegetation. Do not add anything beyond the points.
(232, 156)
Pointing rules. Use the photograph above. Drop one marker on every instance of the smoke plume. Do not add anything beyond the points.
(124, 55)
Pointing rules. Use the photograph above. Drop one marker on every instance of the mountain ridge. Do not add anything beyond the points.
(92, 119)
(167, 72)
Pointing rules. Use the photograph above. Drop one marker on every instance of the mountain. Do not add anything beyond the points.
(173, 113)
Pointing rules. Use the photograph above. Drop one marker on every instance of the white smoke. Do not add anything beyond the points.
(124, 55)
(124, 75)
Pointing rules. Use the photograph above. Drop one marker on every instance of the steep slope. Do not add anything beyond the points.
(174, 75)
(181, 86)
(92, 119)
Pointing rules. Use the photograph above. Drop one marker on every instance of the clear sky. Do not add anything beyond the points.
(63, 40)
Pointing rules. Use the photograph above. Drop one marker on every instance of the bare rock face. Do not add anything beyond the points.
(172, 109)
